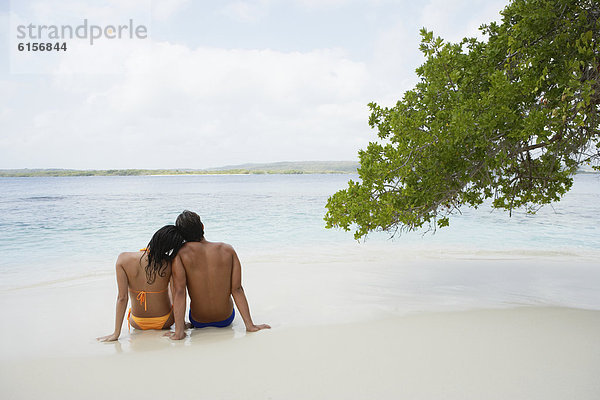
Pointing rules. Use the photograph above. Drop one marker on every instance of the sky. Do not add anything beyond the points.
(212, 83)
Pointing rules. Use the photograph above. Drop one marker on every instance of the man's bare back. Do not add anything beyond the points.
(213, 275)
(209, 274)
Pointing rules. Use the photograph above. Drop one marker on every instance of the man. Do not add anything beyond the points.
(213, 275)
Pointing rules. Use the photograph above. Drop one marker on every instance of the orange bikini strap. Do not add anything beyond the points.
(141, 297)
(147, 291)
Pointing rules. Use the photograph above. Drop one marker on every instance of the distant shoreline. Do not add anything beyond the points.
(32, 173)
(284, 168)
(53, 174)
(84, 173)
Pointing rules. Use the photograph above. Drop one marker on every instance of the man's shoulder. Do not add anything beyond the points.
(193, 246)
(206, 243)
(221, 247)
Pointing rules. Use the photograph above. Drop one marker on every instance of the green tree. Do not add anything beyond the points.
(508, 119)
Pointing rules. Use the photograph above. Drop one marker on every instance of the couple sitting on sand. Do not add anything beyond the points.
(180, 255)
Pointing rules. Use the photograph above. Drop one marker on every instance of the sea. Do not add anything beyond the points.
(59, 229)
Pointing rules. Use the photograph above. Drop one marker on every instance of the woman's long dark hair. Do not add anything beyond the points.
(161, 250)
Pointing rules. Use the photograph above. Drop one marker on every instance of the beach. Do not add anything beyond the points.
(491, 308)
(454, 255)
(329, 340)
(526, 353)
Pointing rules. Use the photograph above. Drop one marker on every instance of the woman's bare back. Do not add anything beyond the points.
(147, 300)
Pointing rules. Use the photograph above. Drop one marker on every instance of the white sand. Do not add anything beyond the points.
(527, 353)
(369, 348)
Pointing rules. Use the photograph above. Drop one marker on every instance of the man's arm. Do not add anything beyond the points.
(179, 298)
(237, 291)
(121, 306)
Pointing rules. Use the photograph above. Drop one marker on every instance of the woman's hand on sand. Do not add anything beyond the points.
(175, 335)
(256, 328)
(109, 338)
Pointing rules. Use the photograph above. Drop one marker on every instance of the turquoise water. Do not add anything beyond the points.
(59, 228)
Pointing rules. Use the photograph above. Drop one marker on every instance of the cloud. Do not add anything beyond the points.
(100, 11)
(395, 57)
(455, 19)
(160, 104)
(165, 9)
(395, 53)
(246, 11)
(323, 3)
(175, 106)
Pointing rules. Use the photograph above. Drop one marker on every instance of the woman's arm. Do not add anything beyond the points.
(237, 291)
(121, 306)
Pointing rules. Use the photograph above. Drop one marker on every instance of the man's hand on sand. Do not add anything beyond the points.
(108, 338)
(256, 328)
(175, 335)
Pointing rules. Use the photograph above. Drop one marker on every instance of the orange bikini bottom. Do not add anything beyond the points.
(149, 323)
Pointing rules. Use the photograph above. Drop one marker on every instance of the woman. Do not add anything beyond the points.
(146, 275)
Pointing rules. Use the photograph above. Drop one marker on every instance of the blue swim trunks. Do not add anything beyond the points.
(218, 324)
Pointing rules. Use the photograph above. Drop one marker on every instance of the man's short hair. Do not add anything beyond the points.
(190, 226)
